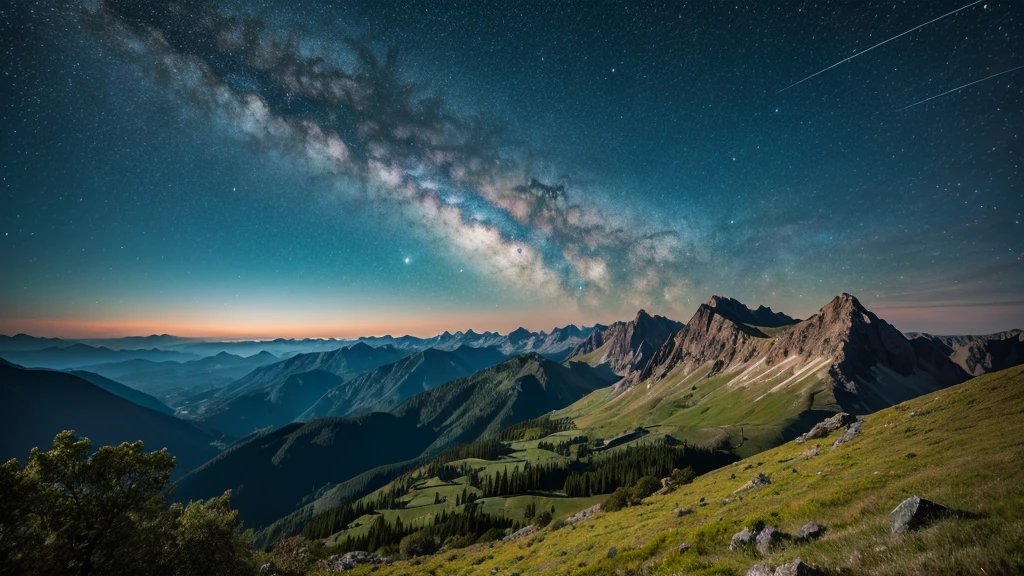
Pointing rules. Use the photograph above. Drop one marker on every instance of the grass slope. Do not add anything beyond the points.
(962, 448)
(708, 410)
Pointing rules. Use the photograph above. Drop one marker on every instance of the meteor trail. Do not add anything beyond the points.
(879, 44)
(961, 87)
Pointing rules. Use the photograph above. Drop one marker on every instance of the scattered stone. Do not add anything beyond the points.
(563, 553)
(613, 552)
(911, 455)
(758, 481)
(683, 548)
(350, 560)
(683, 512)
(703, 504)
(915, 512)
(811, 452)
(796, 568)
(583, 514)
(767, 540)
(741, 540)
(521, 533)
(494, 570)
(851, 433)
(826, 427)
(922, 413)
(809, 531)
(760, 570)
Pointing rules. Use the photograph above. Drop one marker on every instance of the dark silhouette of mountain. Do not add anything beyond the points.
(272, 473)
(276, 394)
(162, 341)
(140, 398)
(170, 380)
(388, 386)
(739, 313)
(79, 355)
(37, 404)
(24, 343)
(626, 346)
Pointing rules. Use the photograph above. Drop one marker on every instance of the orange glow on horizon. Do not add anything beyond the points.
(265, 329)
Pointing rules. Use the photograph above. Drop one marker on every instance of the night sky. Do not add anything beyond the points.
(330, 168)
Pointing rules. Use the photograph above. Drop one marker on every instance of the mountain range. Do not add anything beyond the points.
(173, 381)
(979, 354)
(308, 426)
(274, 472)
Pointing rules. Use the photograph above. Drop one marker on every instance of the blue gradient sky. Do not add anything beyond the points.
(238, 169)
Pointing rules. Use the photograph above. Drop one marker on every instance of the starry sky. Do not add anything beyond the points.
(341, 168)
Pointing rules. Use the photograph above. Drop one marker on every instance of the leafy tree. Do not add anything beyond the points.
(72, 511)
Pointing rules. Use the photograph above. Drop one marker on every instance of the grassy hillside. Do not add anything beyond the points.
(709, 410)
(960, 447)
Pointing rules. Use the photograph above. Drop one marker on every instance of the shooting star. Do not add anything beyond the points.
(919, 26)
(961, 87)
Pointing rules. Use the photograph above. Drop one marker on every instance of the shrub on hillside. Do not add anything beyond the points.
(643, 488)
(617, 501)
(417, 544)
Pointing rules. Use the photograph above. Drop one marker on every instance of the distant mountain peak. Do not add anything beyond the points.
(740, 313)
(518, 335)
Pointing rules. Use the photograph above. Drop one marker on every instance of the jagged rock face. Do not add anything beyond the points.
(707, 337)
(853, 347)
(630, 345)
(738, 312)
(984, 356)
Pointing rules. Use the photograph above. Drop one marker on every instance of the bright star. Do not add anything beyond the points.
(406, 259)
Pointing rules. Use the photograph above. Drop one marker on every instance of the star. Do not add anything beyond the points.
(406, 259)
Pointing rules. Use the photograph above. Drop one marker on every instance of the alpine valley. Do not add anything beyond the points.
(359, 453)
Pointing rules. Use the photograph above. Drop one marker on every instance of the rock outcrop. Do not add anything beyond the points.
(584, 514)
(827, 426)
(808, 531)
(851, 432)
(741, 540)
(767, 540)
(351, 560)
(869, 363)
(739, 313)
(916, 512)
(628, 346)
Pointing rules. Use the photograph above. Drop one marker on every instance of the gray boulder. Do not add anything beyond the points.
(796, 568)
(767, 540)
(851, 433)
(583, 514)
(613, 552)
(808, 531)
(741, 540)
(827, 426)
(914, 513)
